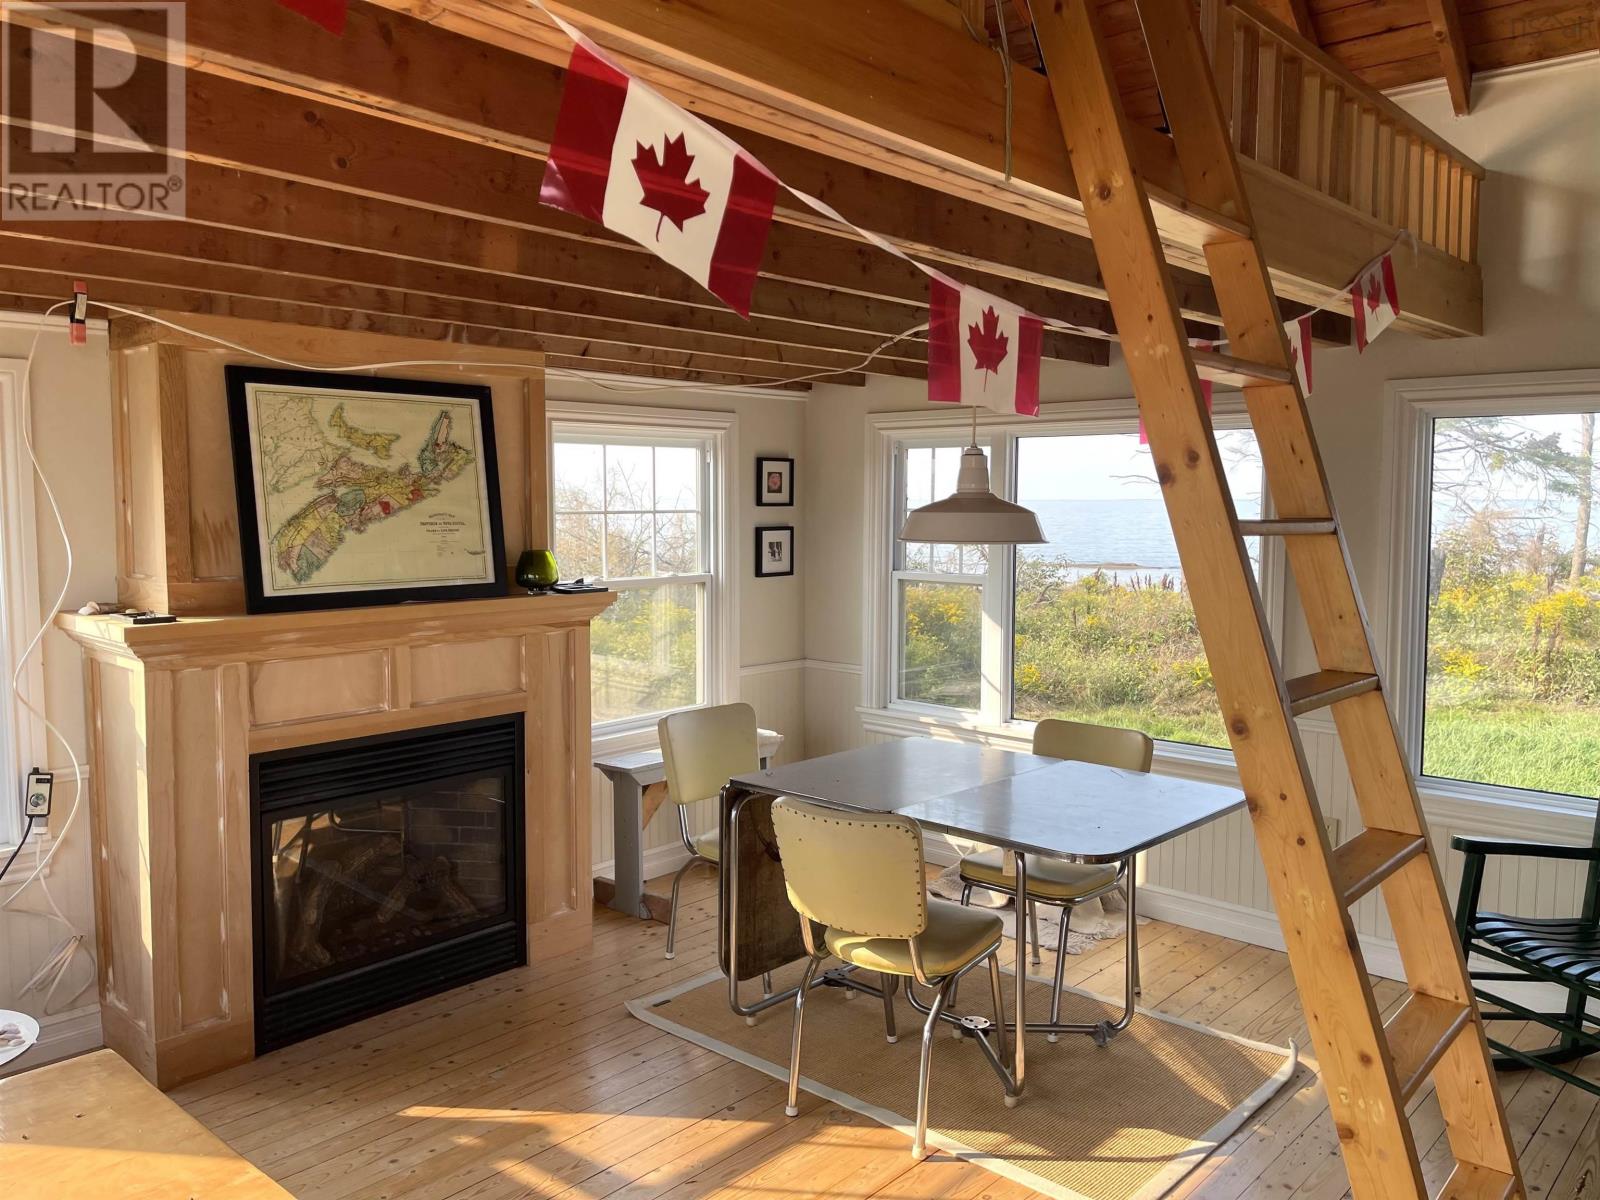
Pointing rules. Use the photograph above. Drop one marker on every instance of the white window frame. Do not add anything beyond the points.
(1411, 406)
(636, 424)
(880, 708)
(22, 734)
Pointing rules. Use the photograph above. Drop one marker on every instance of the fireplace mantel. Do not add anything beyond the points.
(175, 712)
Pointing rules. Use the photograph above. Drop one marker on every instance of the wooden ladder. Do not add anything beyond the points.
(1371, 1069)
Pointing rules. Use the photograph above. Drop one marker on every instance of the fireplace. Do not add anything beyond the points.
(385, 869)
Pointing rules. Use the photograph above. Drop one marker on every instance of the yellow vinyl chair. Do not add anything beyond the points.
(1051, 880)
(861, 878)
(701, 749)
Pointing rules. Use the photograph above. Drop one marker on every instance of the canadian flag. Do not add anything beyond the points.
(330, 14)
(1374, 301)
(1298, 331)
(982, 350)
(629, 158)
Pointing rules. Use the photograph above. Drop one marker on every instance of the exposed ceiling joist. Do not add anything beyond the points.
(1296, 14)
(37, 290)
(1445, 18)
(493, 99)
(796, 73)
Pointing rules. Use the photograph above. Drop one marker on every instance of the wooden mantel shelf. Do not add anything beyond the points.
(177, 710)
(245, 638)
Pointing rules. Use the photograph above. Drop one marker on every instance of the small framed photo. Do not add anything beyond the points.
(774, 550)
(774, 482)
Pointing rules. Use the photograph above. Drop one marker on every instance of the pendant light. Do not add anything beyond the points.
(974, 515)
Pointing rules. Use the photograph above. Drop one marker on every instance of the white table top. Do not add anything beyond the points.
(1016, 801)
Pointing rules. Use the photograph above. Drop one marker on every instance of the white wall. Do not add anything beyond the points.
(1537, 132)
(72, 436)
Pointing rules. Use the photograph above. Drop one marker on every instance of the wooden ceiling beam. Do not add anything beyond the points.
(398, 69)
(522, 303)
(241, 127)
(1445, 17)
(872, 84)
(1296, 14)
(56, 285)
(558, 333)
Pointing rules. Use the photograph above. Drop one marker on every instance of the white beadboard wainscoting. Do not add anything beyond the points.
(1212, 879)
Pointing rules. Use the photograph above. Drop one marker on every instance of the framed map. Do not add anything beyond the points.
(359, 490)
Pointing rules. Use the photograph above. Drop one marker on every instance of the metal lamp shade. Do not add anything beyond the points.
(974, 514)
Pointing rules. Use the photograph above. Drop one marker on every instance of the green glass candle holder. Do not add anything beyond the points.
(536, 570)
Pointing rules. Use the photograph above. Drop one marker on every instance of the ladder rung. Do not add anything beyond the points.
(1235, 372)
(1469, 1181)
(1369, 858)
(1311, 692)
(1419, 1034)
(1176, 214)
(1286, 527)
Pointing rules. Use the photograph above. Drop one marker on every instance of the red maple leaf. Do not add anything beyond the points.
(989, 345)
(1374, 295)
(666, 183)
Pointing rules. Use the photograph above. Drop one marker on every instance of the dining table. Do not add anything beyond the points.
(1025, 804)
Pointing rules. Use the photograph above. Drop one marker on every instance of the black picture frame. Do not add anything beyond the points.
(766, 463)
(763, 533)
(238, 382)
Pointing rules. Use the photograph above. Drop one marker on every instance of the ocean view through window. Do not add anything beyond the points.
(1096, 624)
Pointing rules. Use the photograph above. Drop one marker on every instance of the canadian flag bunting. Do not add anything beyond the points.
(1298, 331)
(1374, 301)
(629, 158)
(330, 14)
(982, 350)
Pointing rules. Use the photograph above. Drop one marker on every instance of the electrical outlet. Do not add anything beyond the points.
(36, 798)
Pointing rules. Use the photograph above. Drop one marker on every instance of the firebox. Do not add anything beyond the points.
(386, 869)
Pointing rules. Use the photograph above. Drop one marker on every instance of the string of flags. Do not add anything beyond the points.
(628, 158)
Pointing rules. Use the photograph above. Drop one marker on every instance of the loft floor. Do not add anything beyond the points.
(442, 1100)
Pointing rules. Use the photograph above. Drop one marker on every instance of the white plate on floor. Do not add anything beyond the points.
(19, 1026)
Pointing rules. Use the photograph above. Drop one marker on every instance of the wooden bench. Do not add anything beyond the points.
(638, 789)
(93, 1126)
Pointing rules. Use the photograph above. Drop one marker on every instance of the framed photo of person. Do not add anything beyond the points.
(774, 551)
(774, 482)
(355, 490)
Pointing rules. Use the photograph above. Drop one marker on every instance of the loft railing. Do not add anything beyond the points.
(1296, 110)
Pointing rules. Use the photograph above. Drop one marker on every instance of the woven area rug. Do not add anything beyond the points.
(1123, 1122)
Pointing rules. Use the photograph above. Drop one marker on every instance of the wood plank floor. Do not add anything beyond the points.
(538, 1083)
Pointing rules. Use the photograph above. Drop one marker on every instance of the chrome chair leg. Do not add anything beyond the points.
(889, 983)
(766, 983)
(792, 1107)
(1061, 971)
(672, 913)
(919, 1144)
(999, 1014)
(1033, 929)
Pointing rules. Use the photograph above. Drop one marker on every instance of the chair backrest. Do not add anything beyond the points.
(703, 748)
(1103, 745)
(861, 874)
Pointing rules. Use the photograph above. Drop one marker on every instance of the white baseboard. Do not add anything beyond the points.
(658, 861)
(61, 1036)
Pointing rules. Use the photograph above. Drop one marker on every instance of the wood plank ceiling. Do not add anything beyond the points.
(386, 179)
(1386, 43)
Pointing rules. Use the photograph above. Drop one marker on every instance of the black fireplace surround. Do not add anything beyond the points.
(385, 869)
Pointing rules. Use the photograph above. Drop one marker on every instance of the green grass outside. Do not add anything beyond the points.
(1542, 748)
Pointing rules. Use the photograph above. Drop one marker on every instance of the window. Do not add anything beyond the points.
(1095, 625)
(1511, 677)
(636, 508)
